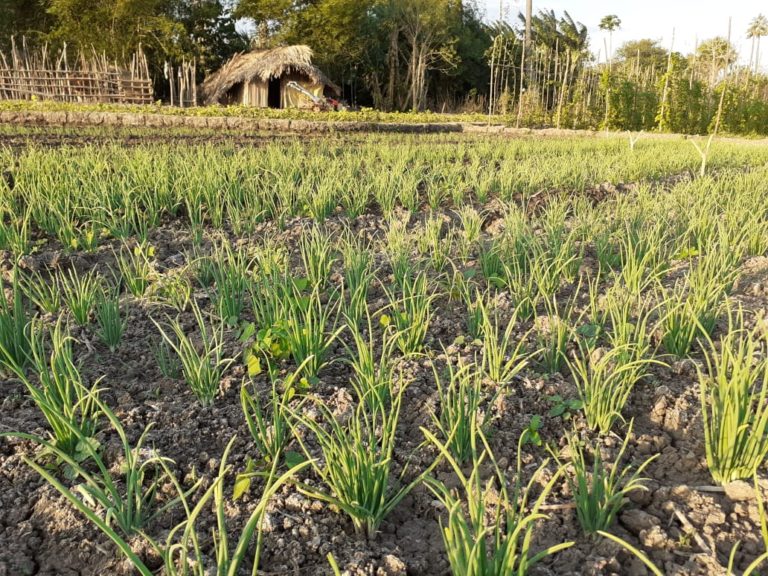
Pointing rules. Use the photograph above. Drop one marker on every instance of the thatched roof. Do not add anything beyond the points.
(263, 65)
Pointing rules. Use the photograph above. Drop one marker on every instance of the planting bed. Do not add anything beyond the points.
(510, 264)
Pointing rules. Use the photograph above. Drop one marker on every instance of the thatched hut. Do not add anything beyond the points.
(260, 78)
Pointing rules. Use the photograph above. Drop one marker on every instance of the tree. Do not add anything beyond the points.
(643, 54)
(400, 51)
(269, 16)
(212, 37)
(338, 32)
(574, 34)
(610, 23)
(474, 40)
(26, 18)
(575, 37)
(714, 56)
(562, 34)
(384, 60)
(117, 28)
(559, 49)
(757, 29)
(167, 30)
(427, 27)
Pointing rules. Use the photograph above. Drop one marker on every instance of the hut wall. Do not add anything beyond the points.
(293, 99)
(255, 93)
(233, 96)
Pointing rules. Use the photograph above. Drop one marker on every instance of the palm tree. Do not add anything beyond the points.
(757, 29)
(574, 34)
(564, 34)
(610, 23)
(544, 28)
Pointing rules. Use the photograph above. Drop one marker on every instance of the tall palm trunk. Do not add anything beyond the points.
(528, 18)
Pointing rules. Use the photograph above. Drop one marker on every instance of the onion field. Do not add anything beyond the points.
(472, 355)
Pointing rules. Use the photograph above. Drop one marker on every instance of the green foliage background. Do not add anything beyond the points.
(422, 55)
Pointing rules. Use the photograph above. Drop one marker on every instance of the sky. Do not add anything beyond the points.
(651, 19)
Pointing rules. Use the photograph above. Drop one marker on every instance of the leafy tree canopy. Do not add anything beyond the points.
(646, 52)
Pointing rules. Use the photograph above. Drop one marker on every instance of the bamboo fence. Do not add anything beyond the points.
(29, 74)
(181, 83)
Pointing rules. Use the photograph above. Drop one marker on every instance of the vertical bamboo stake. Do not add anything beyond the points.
(666, 81)
(492, 79)
(704, 153)
(194, 82)
(522, 86)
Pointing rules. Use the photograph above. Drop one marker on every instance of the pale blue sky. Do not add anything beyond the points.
(652, 19)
